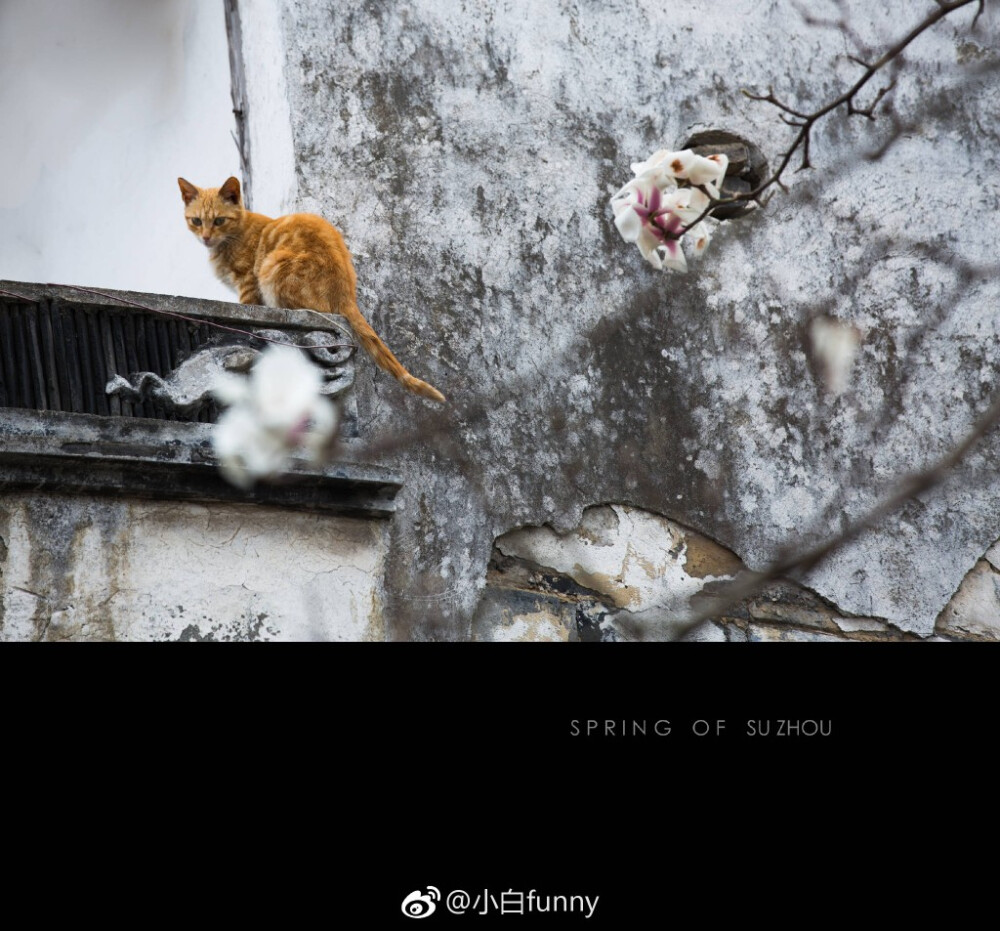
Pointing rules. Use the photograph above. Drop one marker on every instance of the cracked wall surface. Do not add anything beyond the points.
(468, 152)
(75, 567)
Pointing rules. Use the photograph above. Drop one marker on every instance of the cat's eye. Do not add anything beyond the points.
(219, 221)
(196, 221)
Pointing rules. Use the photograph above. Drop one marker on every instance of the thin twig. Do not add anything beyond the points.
(747, 584)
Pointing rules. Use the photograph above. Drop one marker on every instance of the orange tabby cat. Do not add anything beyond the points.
(295, 261)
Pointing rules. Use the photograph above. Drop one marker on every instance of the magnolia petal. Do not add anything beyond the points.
(678, 198)
(689, 204)
(232, 431)
(679, 163)
(284, 385)
(245, 450)
(653, 199)
(619, 206)
(629, 224)
(265, 454)
(651, 164)
(668, 227)
(625, 202)
(673, 255)
(701, 237)
(698, 200)
(665, 164)
(676, 260)
(708, 170)
(677, 202)
(649, 246)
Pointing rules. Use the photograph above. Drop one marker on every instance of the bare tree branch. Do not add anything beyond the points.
(801, 142)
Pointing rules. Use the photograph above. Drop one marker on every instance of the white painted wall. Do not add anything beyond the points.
(102, 105)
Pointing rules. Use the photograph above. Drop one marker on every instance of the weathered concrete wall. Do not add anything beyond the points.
(468, 151)
(76, 567)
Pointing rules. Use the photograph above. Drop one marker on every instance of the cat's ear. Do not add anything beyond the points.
(188, 191)
(230, 191)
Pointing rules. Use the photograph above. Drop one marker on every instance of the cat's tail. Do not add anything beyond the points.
(383, 356)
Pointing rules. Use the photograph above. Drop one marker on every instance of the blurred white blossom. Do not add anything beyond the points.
(654, 211)
(275, 416)
(835, 345)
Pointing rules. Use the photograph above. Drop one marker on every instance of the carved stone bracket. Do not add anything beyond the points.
(187, 389)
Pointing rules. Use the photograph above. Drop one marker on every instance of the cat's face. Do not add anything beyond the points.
(212, 214)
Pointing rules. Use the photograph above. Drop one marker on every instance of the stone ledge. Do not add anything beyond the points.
(84, 453)
(237, 314)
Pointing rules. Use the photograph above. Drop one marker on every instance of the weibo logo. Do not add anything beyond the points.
(421, 904)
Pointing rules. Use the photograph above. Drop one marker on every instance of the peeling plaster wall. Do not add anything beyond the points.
(468, 151)
(624, 573)
(91, 568)
(644, 566)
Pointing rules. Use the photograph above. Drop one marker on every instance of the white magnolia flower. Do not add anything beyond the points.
(656, 214)
(643, 217)
(276, 415)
